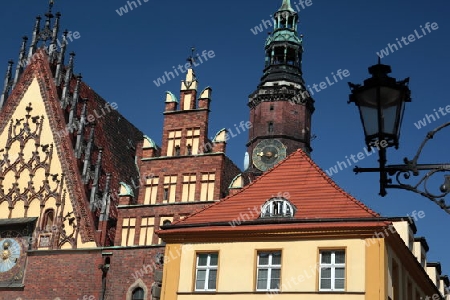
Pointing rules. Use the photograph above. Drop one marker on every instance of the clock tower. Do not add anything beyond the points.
(281, 107)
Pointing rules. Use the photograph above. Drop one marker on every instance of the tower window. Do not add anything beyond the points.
(270, 127)
(174, 141)
(193, 140)
(169, 188)
(146, 231)
(271, 107)
(291, 56)
(278, 57)
(151, 190)
(128, 231)
(207, 186)
(189, 182)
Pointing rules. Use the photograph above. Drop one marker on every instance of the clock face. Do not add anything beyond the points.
(268, 153)
(10, 251)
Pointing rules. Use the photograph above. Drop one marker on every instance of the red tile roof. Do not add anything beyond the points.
(315, 196)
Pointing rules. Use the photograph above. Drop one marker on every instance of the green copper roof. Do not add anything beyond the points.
(283, 36)
(286, 5)
(151, 142)
(173, 98)
(128, 190)
(215, 140)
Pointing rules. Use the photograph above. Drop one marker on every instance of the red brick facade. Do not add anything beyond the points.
(74, 274)
(113, 269)
(291, 124)
(155, 163)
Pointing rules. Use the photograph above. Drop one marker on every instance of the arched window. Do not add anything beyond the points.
(138, 294)
(47, 220)
(277, 207)
(137, 291)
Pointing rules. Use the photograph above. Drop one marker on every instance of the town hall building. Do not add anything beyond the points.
(93, 208)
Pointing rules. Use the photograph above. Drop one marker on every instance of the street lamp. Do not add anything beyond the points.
(381, 103)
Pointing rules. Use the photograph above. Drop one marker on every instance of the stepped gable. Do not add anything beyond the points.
(319, 203)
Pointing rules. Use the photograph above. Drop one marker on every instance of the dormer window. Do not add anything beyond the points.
(278, 208)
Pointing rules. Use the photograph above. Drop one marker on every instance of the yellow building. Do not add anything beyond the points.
(294, 233)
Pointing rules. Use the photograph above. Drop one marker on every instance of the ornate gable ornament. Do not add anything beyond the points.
(40, 70)
(15, 167)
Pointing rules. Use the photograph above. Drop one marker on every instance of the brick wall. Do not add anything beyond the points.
(71, 275)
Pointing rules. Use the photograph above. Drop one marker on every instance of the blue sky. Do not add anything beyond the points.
(121, 56)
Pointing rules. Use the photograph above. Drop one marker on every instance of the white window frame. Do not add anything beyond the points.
(270, 266)
(277, 207)
(206, 268)
(333, 265)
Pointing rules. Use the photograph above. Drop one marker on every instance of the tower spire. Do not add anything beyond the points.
(284, 47)
(281, 107)
(21, 64)
(286, 5)
(7, 84)
(52, 48)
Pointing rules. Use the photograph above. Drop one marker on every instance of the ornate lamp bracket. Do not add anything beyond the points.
(404, 171)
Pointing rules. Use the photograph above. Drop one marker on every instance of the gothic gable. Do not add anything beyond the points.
(39, 176)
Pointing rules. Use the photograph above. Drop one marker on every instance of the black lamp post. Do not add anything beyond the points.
(381, 103)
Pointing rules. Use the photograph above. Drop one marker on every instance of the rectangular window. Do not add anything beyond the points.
(174, 141)
(268, 271)
(189, 182)
(207, 191)
(206, 272)
(170, 187)
(151, 190)
(147, 229)
(128, 231)
(192, 141)
(332, 270)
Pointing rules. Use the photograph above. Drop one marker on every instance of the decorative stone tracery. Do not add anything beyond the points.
(26, 176)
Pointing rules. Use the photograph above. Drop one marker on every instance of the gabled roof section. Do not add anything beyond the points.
(114, 136)
(298, 179)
